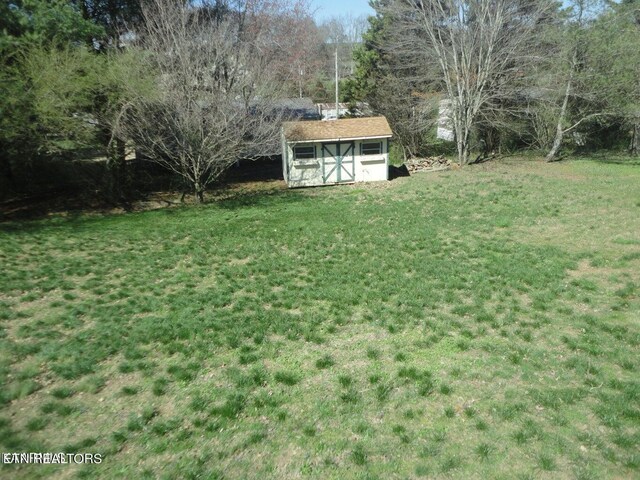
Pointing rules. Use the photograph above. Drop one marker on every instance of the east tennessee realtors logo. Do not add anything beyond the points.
(50, 458)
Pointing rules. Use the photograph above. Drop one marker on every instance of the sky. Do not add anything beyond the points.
(330, 8)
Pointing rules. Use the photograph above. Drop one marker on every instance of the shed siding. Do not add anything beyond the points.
(308, 173)
(372, 168)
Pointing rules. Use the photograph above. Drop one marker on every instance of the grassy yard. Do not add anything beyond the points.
(482, 323)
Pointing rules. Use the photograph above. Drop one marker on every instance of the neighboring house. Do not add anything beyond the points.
(298, 109)
(445, 123)
(279, 110)
(327, 111)
(338, 151)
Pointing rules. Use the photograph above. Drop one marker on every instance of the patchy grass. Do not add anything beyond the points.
(481, 323)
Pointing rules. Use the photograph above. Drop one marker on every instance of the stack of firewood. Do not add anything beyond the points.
(429, 163)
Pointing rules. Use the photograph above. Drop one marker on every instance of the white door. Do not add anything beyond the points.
(338, 162)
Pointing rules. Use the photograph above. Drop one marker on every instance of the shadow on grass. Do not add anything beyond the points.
(233, 199)
(153, 188)
(226, 197)
(398, 172)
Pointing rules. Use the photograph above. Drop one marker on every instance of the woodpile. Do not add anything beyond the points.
(428, 164)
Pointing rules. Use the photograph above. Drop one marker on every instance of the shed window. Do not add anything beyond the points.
(371, 148)
(304, 152)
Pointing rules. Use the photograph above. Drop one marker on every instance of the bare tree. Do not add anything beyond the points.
(291, 42)
(570, 60)
(302, 57)
(347, 28)
(344, 33)
(215, 89)
(482, 49)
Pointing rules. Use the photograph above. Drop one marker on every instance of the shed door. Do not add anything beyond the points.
(338, 162)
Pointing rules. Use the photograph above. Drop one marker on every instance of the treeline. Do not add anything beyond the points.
(191, 86)
(516, 74)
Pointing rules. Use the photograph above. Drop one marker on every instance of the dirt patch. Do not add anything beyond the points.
(236, 262)
(586, 270)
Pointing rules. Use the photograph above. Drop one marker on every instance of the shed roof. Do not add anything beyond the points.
(344, 129)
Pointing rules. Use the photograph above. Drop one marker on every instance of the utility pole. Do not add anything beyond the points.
(301, 71)
(337, 79)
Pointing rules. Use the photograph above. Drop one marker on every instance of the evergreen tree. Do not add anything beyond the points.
(381, 79)
(44, 57)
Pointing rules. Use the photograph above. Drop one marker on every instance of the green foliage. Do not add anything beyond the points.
(44, 22)
(58, 97)
(595, 52)
(61, 86)
(614, 51)
(15, 112)
(368, 58)
(44, 81)
(47, 104)
(61, 99)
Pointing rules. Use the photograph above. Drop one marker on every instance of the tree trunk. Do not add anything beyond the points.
(198, 193)
(118, 185)
(634, 146)
(462, 129)
(466, 153)
(552, 156)
(460, 146)
(493, 141)
(462, 142)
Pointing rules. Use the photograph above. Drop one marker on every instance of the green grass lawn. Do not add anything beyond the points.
(482, 323)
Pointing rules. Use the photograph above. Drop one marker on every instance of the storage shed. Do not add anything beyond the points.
(337, 151)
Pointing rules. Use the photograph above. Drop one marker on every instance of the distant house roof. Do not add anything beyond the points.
(294, 108)
(332, 106)
(357, 110)
(345, 129)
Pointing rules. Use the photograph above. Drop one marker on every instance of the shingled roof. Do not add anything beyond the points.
(344, 129)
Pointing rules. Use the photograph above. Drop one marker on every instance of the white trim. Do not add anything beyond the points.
(307, 163)
(372, 160)
(331, 140)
